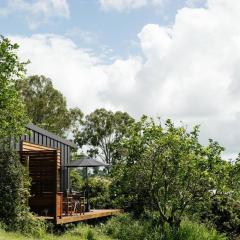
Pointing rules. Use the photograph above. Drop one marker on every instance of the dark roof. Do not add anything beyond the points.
(85, 162)
(44, 132)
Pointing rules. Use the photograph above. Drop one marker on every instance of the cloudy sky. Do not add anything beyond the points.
(176, 59)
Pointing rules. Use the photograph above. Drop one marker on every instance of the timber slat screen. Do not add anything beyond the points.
(44, 171)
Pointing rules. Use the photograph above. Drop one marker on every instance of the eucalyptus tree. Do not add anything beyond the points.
(101, 132)
(46, 106)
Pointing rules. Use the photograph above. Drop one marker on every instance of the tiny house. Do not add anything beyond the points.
(39, 139)
(45, 155)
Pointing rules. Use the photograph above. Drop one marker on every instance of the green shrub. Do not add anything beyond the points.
(29, 225)
(98, 187)
(124, 227)
(14, 212)
(13, 188)
(84, 232)
(196, 231)
(224, 214)
(99, 192)
(77, 182)
(90, 235)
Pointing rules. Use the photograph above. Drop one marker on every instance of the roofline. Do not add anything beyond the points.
(35, 128)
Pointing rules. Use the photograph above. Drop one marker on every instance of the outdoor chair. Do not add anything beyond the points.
(79, 203)
(68, 204)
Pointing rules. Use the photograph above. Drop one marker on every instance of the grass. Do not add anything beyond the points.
(124, 227)
(80, 232)
(195, 231)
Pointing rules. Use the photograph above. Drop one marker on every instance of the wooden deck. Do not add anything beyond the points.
(87, 215)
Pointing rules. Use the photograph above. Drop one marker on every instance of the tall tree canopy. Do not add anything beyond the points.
(12, 124)
(12, 113)
(164, 169)
(46, 106)
(101, 131)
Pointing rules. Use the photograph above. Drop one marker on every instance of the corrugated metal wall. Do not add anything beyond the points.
(40, 139)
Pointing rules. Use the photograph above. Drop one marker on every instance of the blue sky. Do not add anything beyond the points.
(175, 59)
(113, 29)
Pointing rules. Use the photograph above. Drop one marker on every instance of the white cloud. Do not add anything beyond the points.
(80, 75)
(38, 11)
(190, 71)
(127, 5)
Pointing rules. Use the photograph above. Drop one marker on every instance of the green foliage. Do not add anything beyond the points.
(166, 169)
(83, 232)
(223, 213)
(124, 227)
(79, 232)
(46, 106)
(196, 231)
(14, 212)
(223, 208)
(101, 131)
(12, 189)
(77, 182)
(28, 225)
(90, 235)
(98, 187)
(99, 192)
(12, 114)
(13, 178)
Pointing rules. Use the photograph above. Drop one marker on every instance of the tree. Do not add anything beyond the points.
(223, 211)
(12, 113)
(12, 124)
(101, 131)
(46, 106)
(165, 170)
(77, 181)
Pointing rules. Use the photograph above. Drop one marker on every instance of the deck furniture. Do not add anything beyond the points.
(68, 206)
(86, 162)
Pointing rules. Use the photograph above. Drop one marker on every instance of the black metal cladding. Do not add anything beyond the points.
(44, 138)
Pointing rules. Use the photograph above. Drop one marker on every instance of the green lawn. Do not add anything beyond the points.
(81, 232)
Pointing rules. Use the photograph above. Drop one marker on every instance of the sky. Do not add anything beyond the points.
(177, 59)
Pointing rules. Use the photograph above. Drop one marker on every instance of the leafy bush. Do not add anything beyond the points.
(196, 231)
(98, 187)
(14, 212)
(29, 225)
(224, 214)
(124, 227)
(12, 188)
(77, 182)
(99, 192)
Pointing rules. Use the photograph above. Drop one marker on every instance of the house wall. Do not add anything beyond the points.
(44, 169)
(37, 138)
